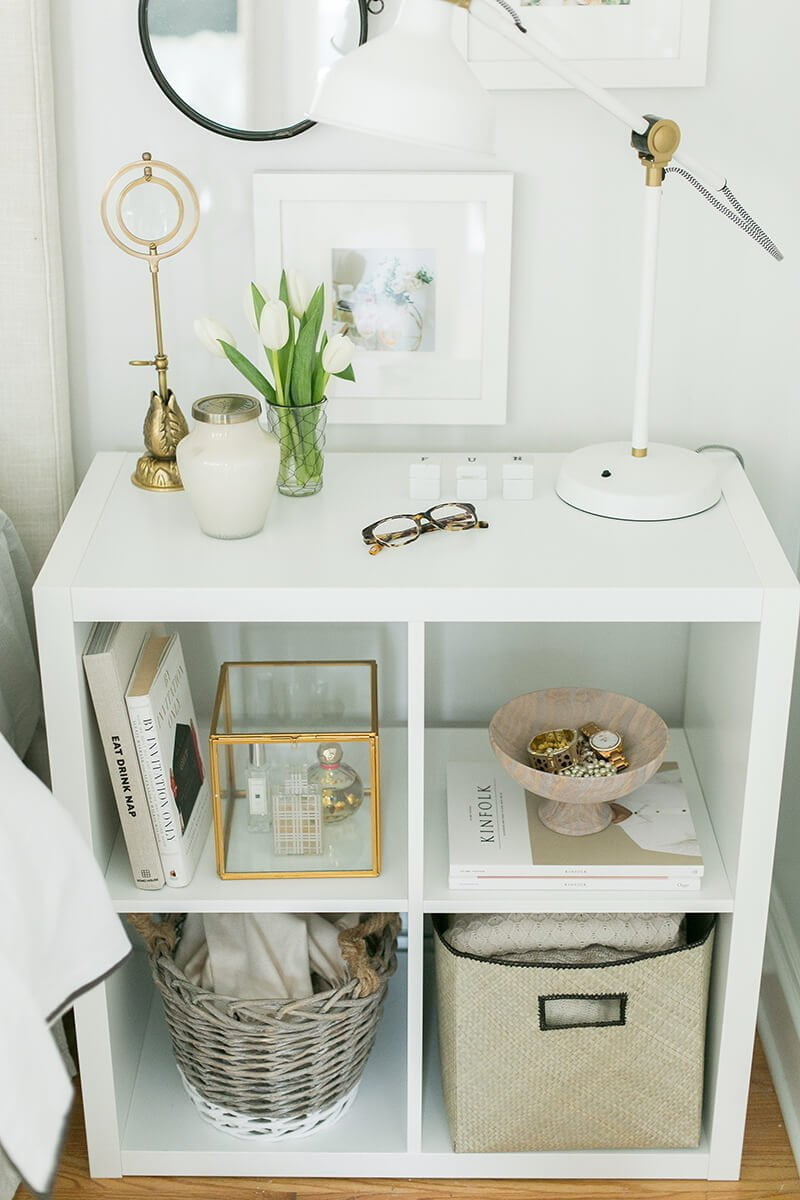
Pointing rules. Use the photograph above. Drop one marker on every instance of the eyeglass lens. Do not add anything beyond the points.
(453, 516)
(396, 531)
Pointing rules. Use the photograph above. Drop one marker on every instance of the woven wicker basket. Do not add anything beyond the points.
(274, 1068)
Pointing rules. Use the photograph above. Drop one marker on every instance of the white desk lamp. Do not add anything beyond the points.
(444, 105)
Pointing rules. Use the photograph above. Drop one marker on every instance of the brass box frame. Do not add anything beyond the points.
(222, 716)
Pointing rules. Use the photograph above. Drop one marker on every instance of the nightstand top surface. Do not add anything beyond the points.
(125, 553)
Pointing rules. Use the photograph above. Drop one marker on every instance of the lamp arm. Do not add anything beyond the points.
(495, 14)
(502, 18)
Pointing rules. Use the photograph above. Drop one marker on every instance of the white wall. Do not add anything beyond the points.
(725, 355)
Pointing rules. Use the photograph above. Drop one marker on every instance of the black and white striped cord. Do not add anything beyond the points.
(734, 211)
(512, 12)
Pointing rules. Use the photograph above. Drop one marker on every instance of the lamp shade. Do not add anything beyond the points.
(409, 83)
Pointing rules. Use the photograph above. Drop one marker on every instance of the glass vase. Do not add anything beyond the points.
(300, 430)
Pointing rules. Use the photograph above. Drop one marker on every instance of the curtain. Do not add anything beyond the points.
(36, 476)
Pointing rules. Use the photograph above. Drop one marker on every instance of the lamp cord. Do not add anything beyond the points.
(734, 211)
(732, 449)
(513, 14)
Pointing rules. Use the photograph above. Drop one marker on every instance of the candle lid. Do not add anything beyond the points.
(225, 409)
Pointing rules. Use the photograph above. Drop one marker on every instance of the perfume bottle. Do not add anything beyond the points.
(340, 785)
(296, 814)
(257, 790)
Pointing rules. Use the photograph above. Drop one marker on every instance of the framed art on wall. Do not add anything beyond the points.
(416, 270)
(616, 43)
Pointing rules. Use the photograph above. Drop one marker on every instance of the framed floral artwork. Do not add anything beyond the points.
(416, 270)
(616, 43)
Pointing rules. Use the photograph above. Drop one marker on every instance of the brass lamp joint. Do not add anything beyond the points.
(656, 147)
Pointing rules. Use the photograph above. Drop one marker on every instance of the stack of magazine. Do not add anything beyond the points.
(498, 842)
(140, 691)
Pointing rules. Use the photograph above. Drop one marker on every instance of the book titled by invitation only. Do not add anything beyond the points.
(164, 729)
(498, 842)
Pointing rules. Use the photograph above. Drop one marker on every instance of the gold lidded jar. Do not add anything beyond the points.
(229, 466)
(340, 785)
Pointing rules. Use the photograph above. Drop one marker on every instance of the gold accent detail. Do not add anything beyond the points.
(663, 139)
(616, 756)
(164, 424)
(639, 453)
(147, 177)
(157, 474)
(618, 760)
(553, 750)
(460, 3)
(552, 742)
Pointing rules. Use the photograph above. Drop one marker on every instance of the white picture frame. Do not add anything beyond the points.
(643, 43)
(439, 243)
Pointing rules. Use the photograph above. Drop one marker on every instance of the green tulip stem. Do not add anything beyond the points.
(272, 355)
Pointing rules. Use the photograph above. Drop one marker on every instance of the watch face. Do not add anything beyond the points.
(605, 740)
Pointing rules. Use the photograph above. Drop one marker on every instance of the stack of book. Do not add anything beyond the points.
(498, 842)
(145, 715)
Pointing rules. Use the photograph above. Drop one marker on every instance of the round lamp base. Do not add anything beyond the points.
(669, 482)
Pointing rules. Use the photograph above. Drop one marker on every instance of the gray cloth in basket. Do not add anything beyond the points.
(255, 956)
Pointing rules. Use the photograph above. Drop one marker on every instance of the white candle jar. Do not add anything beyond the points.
(229, 466)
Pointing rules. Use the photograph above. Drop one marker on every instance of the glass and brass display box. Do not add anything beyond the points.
(295, 770)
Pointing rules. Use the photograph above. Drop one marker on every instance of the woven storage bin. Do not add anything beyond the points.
(512, 1084)
(274, 1068)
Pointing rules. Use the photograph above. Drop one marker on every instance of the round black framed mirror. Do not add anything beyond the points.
(247, 68)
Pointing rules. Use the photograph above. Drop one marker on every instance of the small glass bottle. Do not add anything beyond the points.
(257, 790)
(339, 783)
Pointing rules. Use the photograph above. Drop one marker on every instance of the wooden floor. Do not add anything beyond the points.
(768, 1172)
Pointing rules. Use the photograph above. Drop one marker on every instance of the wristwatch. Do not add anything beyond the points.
(553, 750)
(606, 744)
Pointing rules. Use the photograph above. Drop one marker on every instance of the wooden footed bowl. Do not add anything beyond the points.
(573, 805)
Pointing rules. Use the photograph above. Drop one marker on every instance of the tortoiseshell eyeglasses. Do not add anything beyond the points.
(407, 527)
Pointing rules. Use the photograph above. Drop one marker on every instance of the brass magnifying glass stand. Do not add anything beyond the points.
(151, 211)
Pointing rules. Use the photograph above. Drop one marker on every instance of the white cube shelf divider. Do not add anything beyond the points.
(696, 617)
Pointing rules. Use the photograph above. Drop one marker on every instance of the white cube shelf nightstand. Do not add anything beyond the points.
(696, 618)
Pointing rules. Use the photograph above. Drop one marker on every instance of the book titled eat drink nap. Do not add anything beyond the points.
(497, 840)
(164, 730)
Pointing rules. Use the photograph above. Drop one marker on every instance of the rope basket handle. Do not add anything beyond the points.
(161, 937)
(353, 945)
(158, 936)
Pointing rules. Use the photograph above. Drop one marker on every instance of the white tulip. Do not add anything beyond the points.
(249, 304)
(210, 333)
(274, 325)
(299, 292)
(337, 355)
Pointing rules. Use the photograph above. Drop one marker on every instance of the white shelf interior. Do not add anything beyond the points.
(164, 1134)
(468, 745)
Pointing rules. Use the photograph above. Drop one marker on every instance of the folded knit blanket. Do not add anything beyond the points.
(564, 937)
